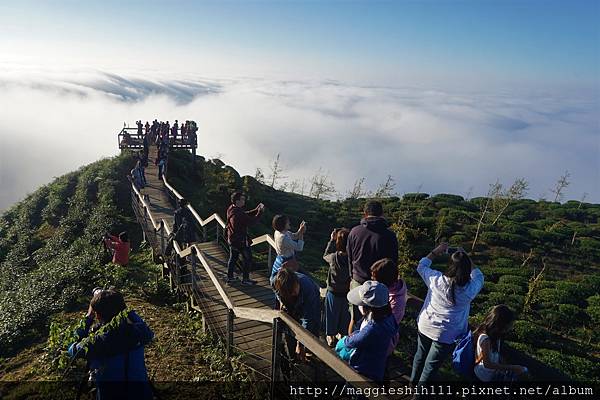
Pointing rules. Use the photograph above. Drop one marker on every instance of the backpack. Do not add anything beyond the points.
(463, 356)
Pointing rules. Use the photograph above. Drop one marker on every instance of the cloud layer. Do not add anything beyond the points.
(444, 141)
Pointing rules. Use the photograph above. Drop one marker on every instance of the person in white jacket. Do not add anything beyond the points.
(445, 312)
(287, 243)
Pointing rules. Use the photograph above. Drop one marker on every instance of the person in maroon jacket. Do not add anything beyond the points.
(369, 241)
(238, 221)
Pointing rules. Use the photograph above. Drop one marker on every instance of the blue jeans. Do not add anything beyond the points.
(429, 357)
(234, 254)
(337, 315)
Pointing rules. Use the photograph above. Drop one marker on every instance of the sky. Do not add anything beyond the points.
(443, 95)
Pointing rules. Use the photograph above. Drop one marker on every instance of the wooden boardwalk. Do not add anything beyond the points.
(252, 338)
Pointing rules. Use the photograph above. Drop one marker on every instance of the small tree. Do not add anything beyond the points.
(533, 287)
(259, 176)
(560, 186)
(583, 197)
(495, 188)
(293, 186)
(386, 189)
(321, 185)
(358, 190)
(503, 198)
(276, 171)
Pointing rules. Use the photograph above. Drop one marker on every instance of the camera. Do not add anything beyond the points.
(452, 250)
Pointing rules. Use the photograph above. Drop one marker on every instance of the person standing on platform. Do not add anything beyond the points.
(238, 221)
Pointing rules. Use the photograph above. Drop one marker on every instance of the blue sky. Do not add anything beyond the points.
(447, 95)
(475, 42)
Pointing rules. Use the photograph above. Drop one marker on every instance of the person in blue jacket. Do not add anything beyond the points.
(115, 354)
(299, 296)
(378, 328)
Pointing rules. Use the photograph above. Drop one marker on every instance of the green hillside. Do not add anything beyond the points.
(50, 257)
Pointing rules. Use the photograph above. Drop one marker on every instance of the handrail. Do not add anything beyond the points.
(216, 217)
(141, 199)
(328, 356)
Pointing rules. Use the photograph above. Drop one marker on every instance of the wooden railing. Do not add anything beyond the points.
(129, 138)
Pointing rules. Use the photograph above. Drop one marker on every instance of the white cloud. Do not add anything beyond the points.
(52, 122)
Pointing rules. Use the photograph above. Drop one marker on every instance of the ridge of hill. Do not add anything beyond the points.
(50, 257)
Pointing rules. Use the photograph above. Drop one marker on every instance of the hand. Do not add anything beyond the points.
(332, 237)
(90, 312)
(300, 352)
(302, 227)
(441, 249)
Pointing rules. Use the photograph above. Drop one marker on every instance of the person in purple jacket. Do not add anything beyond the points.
(368, 242)
(372, 341)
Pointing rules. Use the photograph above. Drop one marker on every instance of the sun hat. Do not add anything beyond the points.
(371, 293)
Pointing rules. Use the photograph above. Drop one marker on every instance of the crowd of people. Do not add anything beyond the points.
(364, 304)
(366, 298)
(162, 134)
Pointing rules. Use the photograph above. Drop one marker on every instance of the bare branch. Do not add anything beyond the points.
(321, 186)
(358, 189)
(386, 189)
(276, 171)
(562, 183)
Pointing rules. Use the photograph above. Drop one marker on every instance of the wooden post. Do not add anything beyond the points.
(177, 282)
(204, 326)
(144, 239)
(162, 237)
(275, 356)
(193, 258)
(230, 317)
(270, 263)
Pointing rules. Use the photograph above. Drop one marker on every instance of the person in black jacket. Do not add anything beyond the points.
(368, 242)
(184, 224)
(337, 316)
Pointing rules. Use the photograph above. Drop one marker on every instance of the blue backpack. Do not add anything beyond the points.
(463, 356)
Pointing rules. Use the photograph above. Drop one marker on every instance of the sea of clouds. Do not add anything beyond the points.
(450, 141)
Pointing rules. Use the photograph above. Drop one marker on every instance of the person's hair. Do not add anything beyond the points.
(279, 222)
(108, 303)
(290, 265)
(285, 283)
(124, 237)
(341, 239)
(373, 208)
(236, 196)
(378, 313)
(459, 271)
(183, 202)
(494, 324)
(385, 271)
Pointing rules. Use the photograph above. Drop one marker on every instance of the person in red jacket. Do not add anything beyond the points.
(119, 246)
(238, 221)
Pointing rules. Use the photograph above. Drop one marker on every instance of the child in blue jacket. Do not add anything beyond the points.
(377, 331)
